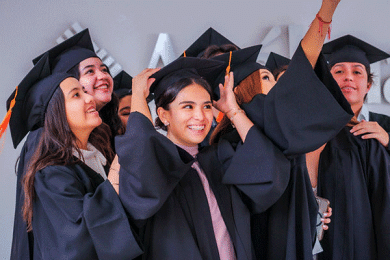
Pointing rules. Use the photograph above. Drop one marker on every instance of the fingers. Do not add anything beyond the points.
(150, 82)
(326, 219)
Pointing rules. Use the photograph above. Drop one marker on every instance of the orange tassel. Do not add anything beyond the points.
(185, 55)
(219, 117)
(230, 61)
(4, 124)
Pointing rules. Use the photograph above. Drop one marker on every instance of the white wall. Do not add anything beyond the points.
(128, 29)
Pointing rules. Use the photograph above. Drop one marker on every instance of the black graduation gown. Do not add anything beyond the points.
(78, 215)
(301, 112)
(354, 176)
(22, 242)
(165, 196)
(304, 109)
(383, 121)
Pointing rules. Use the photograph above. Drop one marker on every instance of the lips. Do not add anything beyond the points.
(91, 109)
(347, 88)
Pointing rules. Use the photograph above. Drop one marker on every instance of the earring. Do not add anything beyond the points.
(166, 124)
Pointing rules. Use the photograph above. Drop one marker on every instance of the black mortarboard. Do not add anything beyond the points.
(242, 63)
(185, 67)
(351, 49)
(276, 61)
(33, 96)
(122, 84)
(209, 37)
(71, 52)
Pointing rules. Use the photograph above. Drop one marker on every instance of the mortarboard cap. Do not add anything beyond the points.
(242, 63)
(351, 49)
(209, 37)
(33, 96)
(185, 67)
(276, 61)
(122, 84)
(71, 52)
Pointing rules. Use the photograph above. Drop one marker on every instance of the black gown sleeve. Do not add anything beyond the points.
(256, 167)
(71, 222)
(379, 193)
(305, 108)
(146, 156)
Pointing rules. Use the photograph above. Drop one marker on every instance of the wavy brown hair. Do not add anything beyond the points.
(244, 92)
(56, 146)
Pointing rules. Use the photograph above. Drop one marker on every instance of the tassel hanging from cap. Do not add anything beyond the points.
(184, 54)
(4, 124)
(219, 117)
(230, 61)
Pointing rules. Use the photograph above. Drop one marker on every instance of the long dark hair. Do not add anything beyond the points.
(172, 91)
(244, 92)
(56, 145)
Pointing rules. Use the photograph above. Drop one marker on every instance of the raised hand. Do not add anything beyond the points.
(227, 101)
(140, 91)
(142, 82)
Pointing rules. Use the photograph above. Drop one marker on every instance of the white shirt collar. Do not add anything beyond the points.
(364, 114)
(94, 159)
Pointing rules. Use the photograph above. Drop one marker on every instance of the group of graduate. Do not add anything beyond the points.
(249, 154)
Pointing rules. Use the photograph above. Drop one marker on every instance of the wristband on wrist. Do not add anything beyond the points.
(322, 22)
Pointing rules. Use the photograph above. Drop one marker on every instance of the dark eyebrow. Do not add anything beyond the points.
(73, 89)
(186, 102)
(192, 102)
(359, 66)
(87, 67)
(123, 108)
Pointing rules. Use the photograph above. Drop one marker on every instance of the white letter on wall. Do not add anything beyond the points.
(162, 49)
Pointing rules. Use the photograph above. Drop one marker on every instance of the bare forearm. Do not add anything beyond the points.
(241, 122)
(139, 104)
(314, 39)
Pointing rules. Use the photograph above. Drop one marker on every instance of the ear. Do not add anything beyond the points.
(163, 115)
(369, 85)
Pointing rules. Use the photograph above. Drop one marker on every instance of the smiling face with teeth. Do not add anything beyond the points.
(96, 80)
(80, 109)
(353, 80)
(189, 116)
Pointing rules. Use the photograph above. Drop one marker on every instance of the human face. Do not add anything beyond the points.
(124, 109)
(189, 116)
(96, 80)
(267, 80)
(353, 80)
(80, 108)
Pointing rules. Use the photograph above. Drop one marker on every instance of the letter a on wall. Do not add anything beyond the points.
(163, 50)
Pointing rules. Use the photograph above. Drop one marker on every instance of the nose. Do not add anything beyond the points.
(199, 114)
(102, 74)
(348, 76)
(88, 98)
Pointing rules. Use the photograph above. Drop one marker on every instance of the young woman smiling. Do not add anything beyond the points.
(69, 207)
(185, 201)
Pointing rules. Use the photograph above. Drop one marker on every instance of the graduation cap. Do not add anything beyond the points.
(71, 52)
(351, 49)
(182, 68)
(209, 37)
(241, 62)
(27, 104)
(122, 84)
(276, 61)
